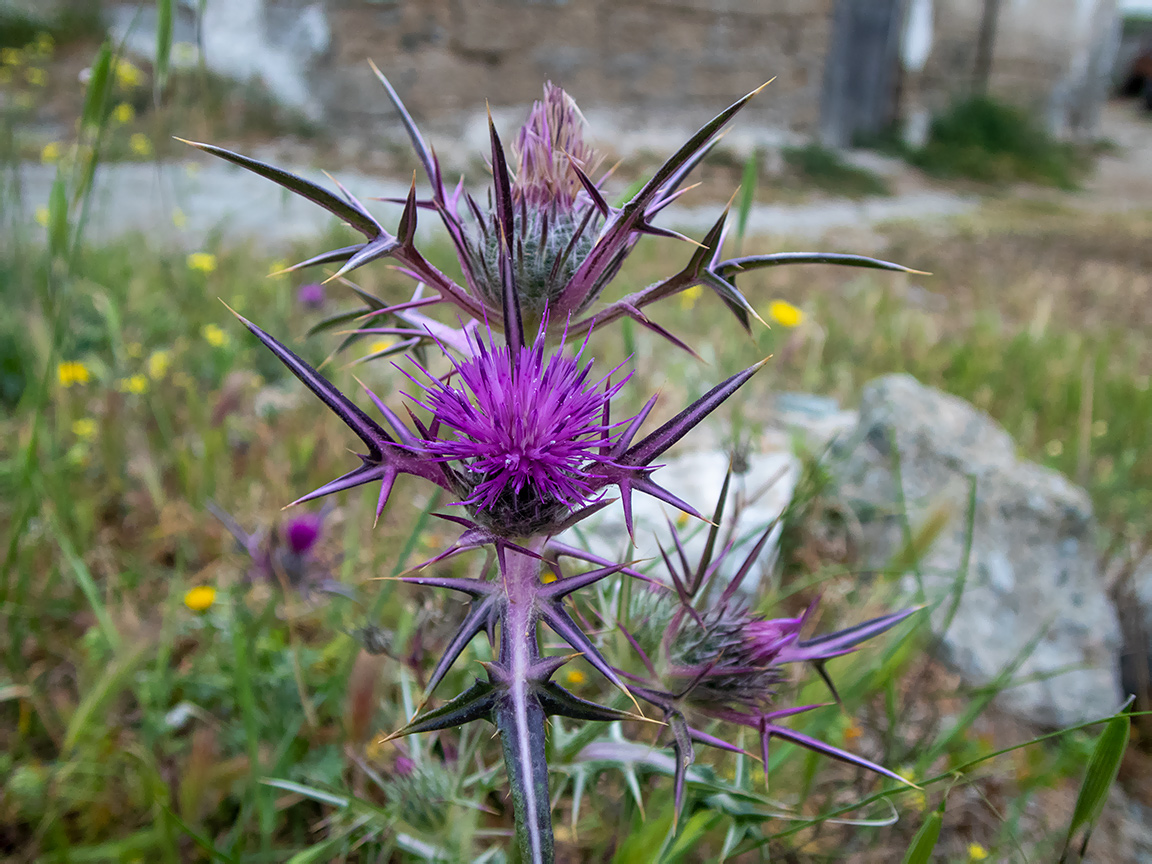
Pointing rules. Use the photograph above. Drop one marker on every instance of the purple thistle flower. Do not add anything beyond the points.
(310, 296)
(718, 659)
(550, 153)
(547, 228)
(530, 431)
(285, 554)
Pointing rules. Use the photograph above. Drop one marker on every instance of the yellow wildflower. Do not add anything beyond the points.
(85, 428)
(50, 153)
(682, 520)
(214, 336)
(44, 43)
(785, 314)
(379, 345)
(178, 218)
(277, 266)
(575, 677)
(72, 372)
(976, 852)
(1054, 448)
(158, 364)
(689, 296)
(123, 113)
(140, 144)
(134, 384)
(200, 598)
(205, 262)
(547, 577)
(127, 75)
(852, 732)
(42, 216)
(11, 56)
(35, 76)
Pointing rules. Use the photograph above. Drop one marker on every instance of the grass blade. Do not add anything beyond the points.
(1101, 774)
(163, 43)
(920, 852)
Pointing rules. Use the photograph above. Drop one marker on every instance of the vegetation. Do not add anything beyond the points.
(990, 141)
(818, 167)
(159, 701)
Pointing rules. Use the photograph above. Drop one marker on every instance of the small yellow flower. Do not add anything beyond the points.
(1054, 448)
(50, 153)
(35, 76)
(127, 75)
(379, 345)
(1099, 428)
(44, 43)
(134, 384)
(200, 598)
(42, 216)
(277, 266)
(852, 732)
(123, 113)
(11, 56)
(547, 577)
(72, 372)
(85, 428)
(140, 144)
(178, 218)
(976, 852)
(785, 314)
(575, 677)
(682, 520)
(134, 350)
(204, 262)
(158, 362)
(214, 336)
(689, 296)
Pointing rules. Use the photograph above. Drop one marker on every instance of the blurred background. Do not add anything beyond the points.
(162, 697)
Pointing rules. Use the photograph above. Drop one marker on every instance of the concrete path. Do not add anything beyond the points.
(190, 203)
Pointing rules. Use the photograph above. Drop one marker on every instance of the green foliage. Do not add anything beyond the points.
(990, 141)
(824, 169)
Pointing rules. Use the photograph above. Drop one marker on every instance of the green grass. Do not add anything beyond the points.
(990, 141)
(817, 167)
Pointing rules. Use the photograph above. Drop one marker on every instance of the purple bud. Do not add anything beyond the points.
(302, 532)
(311, 296)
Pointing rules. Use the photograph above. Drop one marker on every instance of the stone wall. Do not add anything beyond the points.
(1050, 55)
(647, 56)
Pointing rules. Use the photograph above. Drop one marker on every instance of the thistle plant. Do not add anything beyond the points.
(518, 428)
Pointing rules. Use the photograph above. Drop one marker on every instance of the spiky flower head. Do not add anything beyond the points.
(528, 436)
(556, 211)
(550, 152)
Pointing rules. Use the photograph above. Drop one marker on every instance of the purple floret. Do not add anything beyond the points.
(523, 421)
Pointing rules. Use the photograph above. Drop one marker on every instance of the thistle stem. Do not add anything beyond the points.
(519, 715)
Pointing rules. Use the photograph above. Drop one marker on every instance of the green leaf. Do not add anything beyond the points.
(920, 852)
(1102, 770)
(57, 217)
(96, 98)
(747, 194)
(163, 42)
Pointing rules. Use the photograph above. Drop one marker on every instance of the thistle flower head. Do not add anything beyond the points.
(548, 151)
(527, 433)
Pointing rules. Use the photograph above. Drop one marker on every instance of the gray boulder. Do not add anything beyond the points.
(1032, 572)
